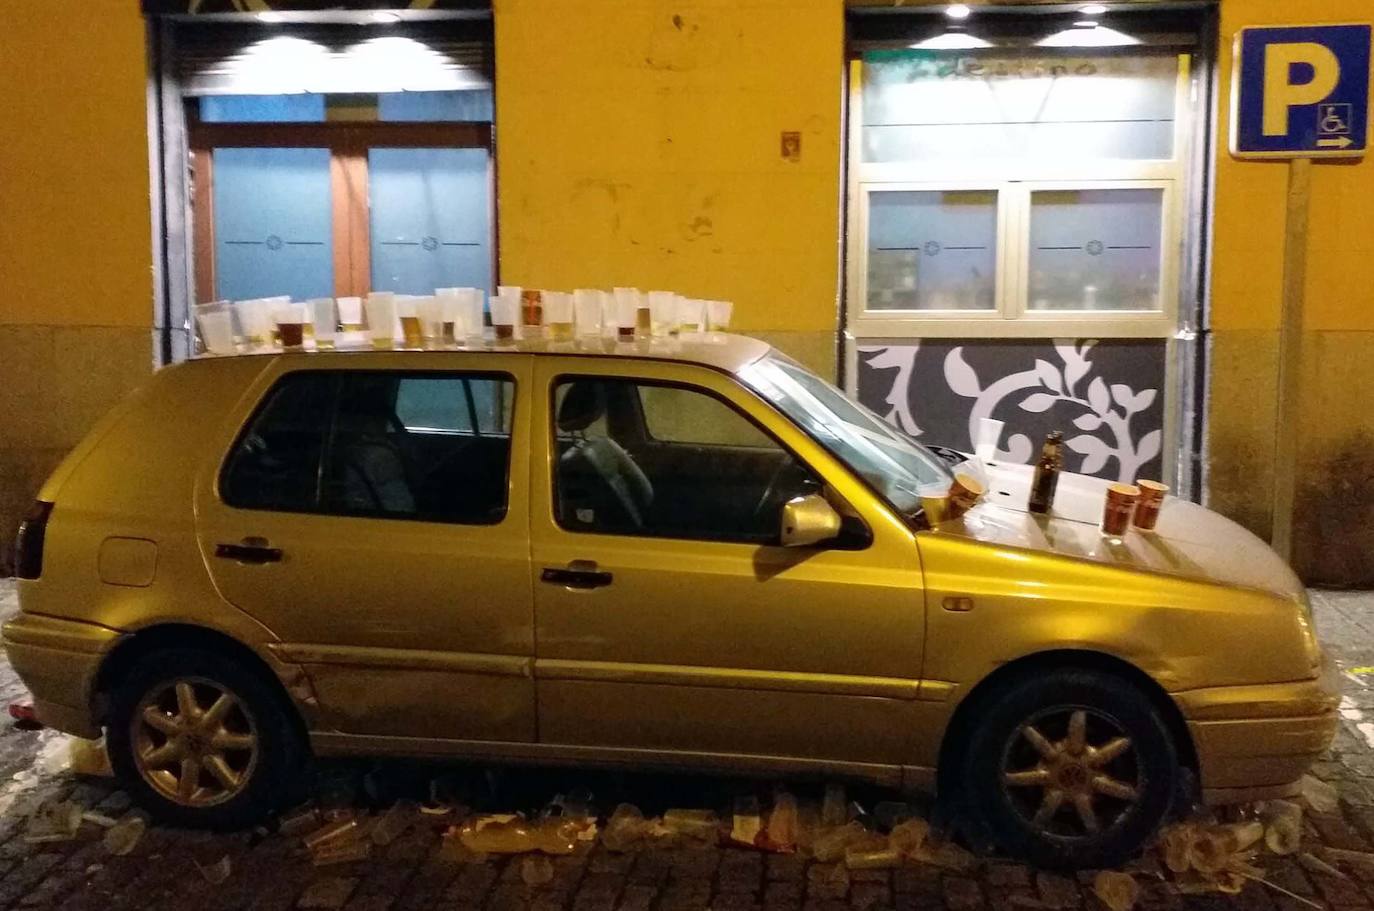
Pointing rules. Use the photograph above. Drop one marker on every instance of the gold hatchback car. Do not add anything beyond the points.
(687, 553)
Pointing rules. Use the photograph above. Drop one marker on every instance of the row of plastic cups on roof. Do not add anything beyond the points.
(623, 313)
(452, 316)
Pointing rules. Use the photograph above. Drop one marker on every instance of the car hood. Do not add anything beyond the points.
(1189, 541)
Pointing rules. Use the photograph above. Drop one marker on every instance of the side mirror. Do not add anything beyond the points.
(808, 520)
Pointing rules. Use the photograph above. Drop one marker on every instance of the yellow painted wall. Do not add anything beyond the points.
(1334, 528)
(76, 292)
(74, 231)
(638, 143)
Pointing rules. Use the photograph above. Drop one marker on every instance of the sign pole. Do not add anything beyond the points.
(1286, 434)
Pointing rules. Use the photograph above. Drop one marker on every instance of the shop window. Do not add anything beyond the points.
(1017, 193)
(932, 250)
(922, 105)
(1095, 250)
(340, 207)
(328, 159)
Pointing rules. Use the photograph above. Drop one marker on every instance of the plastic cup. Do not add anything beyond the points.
(718, 315)
(505, 313)
(587, 306)
(989, 436)
(628, 303)
(474, 300)
(558, 314)
(430, 312)
(255, 322)
(690, 314)
(322, 321)
(291, 320)
(216, 322)
(351, 313)
(381, 318)
(450, 306)
(532, 312)
(663, 312)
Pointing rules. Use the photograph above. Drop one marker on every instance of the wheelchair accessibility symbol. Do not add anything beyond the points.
(1333, 119)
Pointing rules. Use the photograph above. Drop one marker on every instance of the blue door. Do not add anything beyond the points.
(430, 219)
(273, 223)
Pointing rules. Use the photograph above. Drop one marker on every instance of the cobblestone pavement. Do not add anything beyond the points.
(272, 871)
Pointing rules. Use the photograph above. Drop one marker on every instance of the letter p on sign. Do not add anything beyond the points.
(1301, 91)
(1281, 62)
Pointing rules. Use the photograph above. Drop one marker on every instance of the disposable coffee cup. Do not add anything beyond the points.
(718, 315)
(351, 313)
(690, 314)
(628, 303)
(216, 323)
(663, 312)
(291, 320)
(558, 315)
(989, 438)
(587, 311)
(255, 322)
(381, 318)
(322, 321)
(474, 301)
(430, 312)
(505, 314)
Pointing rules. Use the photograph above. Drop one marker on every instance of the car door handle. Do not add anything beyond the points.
(577, 574)
(251, 550)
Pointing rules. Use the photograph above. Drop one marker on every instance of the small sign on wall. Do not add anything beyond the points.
(790, 146)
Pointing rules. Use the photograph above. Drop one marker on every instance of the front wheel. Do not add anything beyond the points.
(202, 741)
(1070, 769)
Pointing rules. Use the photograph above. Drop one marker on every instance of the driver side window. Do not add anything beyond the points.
(667, 461)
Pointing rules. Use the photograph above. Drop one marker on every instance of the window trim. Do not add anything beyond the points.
(858, 542)
(340, 376)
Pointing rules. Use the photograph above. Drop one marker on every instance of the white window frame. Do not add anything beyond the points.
(1014, 180)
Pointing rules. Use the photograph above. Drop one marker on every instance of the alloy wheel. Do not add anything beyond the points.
(194, 741)
(1072, 773)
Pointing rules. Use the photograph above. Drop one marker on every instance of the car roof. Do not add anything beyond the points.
(719, 350)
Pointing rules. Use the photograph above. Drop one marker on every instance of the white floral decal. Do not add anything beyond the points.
(1101, 408)
(904, 359)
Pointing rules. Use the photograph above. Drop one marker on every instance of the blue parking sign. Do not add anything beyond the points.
(1301, 91)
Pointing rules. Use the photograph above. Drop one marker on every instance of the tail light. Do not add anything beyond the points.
(28, 544)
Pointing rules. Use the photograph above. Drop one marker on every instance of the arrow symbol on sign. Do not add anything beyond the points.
(1340, 142)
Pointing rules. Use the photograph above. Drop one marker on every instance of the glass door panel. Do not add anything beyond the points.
(273, 223)
(430, 219)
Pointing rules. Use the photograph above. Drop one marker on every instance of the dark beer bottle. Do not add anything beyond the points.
(1047, 474)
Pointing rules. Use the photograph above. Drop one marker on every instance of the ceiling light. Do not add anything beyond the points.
(953, 40)
(271, 17)
(1093, 9)
(1088, 34)
(957, 11)
(385, 16)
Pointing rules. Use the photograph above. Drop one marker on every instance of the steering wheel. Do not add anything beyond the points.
(772, 493)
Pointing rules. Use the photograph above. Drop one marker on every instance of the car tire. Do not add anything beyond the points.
(1071, 769)
(202, 741)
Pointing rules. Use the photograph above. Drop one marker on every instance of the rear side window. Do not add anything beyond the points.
(422, 446)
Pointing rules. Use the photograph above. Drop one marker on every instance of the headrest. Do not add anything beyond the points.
(583, 403)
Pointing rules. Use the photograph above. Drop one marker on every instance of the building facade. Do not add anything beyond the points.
(1029, 214)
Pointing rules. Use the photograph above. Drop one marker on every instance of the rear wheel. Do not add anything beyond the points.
(202, 741)
(1070, 769)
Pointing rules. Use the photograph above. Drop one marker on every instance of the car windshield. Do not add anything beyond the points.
(896, 466)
